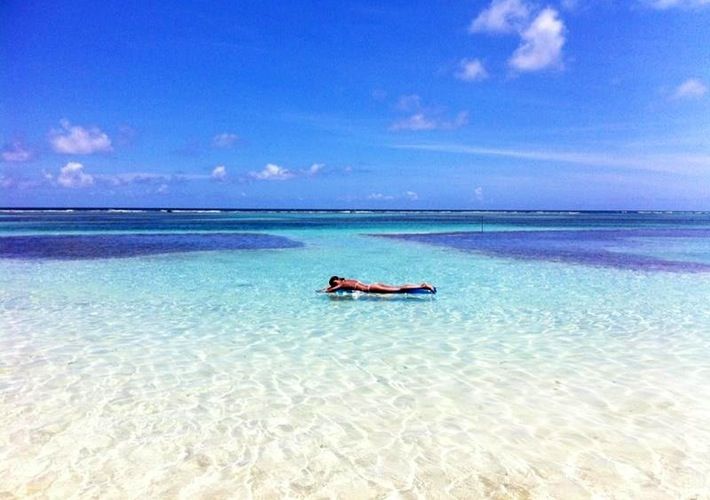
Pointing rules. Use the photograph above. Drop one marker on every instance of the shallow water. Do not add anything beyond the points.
(223, 374)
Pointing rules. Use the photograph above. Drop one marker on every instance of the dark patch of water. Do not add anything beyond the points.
(75, 247)
(602, 248)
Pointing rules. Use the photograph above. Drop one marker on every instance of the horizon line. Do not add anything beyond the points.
(282, 209)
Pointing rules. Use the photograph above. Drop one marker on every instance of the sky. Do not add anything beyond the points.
(503, 104)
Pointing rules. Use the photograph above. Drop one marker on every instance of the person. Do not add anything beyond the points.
(338, 283)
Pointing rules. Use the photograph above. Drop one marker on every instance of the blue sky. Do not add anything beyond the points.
(511, 104)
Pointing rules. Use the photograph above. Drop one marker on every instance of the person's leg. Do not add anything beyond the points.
(384, 288)
(409, 286)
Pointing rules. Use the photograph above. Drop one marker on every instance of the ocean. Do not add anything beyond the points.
(187, 354)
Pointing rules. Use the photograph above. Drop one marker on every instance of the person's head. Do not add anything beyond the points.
(334, 280)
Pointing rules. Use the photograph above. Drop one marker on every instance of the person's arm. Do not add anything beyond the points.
(333, 288)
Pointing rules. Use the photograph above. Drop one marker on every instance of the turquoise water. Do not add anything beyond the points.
(575, 368)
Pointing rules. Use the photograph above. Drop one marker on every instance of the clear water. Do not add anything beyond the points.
(221, 373)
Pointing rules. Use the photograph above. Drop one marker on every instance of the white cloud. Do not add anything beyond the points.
(74, 139)
(72, 175)
(225, 140)
(315, 168)
(162, 189)
(673, 163)
(219, 173)
(471, 70)
(459, 121)
(502, 16)
(541, 32)
(122, 179)
(127, 135)
(409, 103)
(425, 118)
(478, 193)
(542, 43)
(272, 172)
(20, 183)
(690, 89)
(668, 4)
(423, 121)
(409, 195)
(417, 121)
(6, 182)
(16, 152)
(379, 197)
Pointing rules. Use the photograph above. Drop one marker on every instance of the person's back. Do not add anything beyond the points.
(337, 283)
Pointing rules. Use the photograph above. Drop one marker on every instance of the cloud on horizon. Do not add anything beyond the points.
(75, 139)
(315, 168)
(128, 178)
(219, 173)
(272, 172)
(378, 196)
(75, 175)
(72, 175)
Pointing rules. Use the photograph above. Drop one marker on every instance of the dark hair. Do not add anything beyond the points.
(332, 280)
